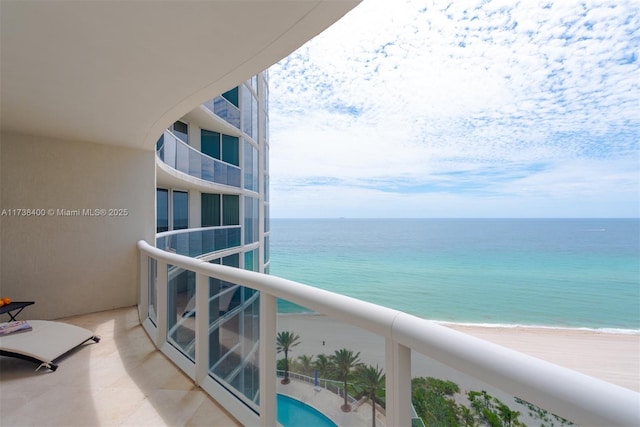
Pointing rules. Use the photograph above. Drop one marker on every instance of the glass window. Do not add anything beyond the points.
(247, 109)
(251, 174)
(230, 209)
(162, 210)
(181, 130)
(231, 96)
(230, 149)
(231, 260)
(220, 209)
(248, 260)
(180, 210)
(210, 210)
(251, 220)
(210, 143)
(251, 260)
(264, 95)
(254, 118)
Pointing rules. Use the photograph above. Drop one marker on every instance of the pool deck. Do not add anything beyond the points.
(329, 404)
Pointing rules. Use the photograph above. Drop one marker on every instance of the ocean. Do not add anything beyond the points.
(568, 273)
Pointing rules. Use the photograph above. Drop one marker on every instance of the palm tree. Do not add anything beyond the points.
(306, 364)
(507, 415)
(344, 361)
(323, 365)
(370, 380)
(284, 342)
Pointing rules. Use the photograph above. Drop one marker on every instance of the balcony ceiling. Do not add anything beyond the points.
(121, 72)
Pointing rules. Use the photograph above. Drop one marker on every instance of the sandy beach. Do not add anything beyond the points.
(613, 357)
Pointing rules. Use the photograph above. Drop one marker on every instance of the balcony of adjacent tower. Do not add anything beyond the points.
(177, 160)
(224, 109)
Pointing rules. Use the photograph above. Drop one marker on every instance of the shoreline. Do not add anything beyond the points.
(453, 324)
(609, 355)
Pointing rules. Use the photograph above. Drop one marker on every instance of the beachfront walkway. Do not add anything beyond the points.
(329, 404)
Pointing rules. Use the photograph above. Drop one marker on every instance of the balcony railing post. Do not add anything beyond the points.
(268, 359)
(398, 383)
(162, 308)
(202, 327)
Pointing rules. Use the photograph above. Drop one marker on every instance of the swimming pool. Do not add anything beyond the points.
(293, 413)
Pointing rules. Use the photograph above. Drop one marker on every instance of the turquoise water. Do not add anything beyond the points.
(293, 413)
(547, 272)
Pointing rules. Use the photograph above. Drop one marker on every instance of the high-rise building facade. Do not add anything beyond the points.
(212, 204)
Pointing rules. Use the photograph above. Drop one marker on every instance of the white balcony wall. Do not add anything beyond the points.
(195, 209)
(194, 136)
(77, 264)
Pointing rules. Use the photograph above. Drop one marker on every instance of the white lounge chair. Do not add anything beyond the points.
(45, 343)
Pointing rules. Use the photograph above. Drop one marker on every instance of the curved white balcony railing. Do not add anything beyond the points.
(579, 398)
(224, 109)
(184, 158)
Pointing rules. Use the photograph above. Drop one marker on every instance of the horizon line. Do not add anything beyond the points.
(462, 217)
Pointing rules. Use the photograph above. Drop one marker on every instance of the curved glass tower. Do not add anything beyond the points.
(212, 204)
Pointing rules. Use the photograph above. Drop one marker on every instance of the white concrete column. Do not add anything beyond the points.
(202, 327)
(195, 209)
(195, 139)
(398, 383)
(268, 392)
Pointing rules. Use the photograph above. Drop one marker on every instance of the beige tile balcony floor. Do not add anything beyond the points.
(120, 381)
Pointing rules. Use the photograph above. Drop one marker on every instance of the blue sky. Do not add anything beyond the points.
(465, 109)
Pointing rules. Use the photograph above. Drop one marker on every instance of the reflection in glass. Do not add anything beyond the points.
(251, 220)
(153, 290)
(162, 210)
(234, 335)
(180, 210)
(181, 292)
(251, 173)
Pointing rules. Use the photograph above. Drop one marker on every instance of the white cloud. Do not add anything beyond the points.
(402, 104)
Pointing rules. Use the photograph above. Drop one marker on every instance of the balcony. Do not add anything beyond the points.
(123, 380)
(400, 337)
(182, 157)
(196, 242)
(224, 109)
